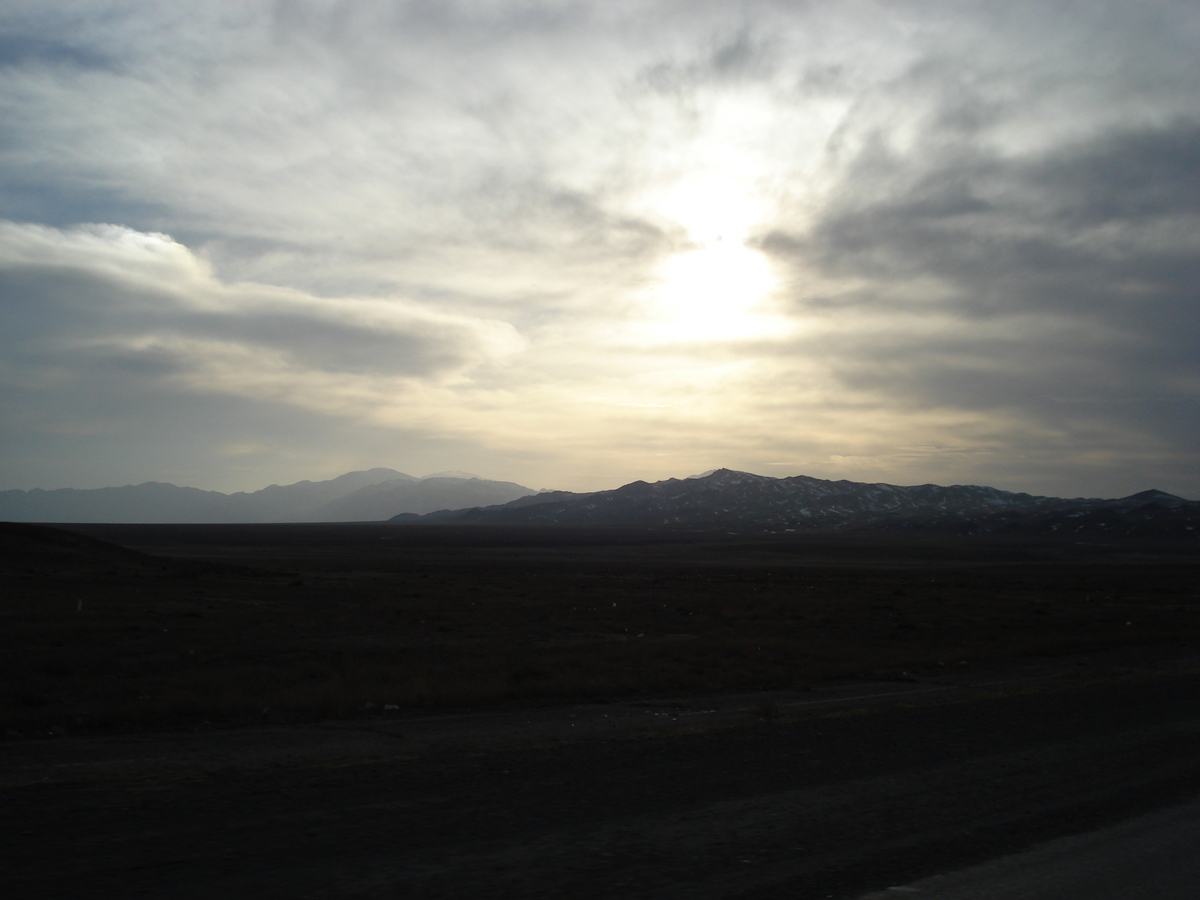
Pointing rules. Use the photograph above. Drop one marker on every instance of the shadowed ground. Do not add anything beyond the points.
(540, 749)
(235, 625)
(852, 789)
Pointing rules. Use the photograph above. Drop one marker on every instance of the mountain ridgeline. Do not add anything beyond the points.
(725, 500)
(719, 501)
(373, 495)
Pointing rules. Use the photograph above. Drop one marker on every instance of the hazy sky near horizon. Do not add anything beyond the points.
(576, 244)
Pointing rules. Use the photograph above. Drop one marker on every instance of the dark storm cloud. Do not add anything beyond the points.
(140, 303)
(1066, 282)
(94, 318)
(1127, 176)
(1101, 228)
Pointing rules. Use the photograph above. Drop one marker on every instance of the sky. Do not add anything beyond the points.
(576, 244)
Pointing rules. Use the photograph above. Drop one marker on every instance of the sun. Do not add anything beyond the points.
(718, 288)
(713, 292)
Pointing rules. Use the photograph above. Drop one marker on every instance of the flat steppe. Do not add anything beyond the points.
(375, 710)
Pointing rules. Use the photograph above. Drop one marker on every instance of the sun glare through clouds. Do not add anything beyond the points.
(714, 292)
(719, 288)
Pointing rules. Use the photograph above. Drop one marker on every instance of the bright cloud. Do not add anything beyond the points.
(573, 244)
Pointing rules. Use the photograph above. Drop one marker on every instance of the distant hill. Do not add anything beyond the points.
(423, 495)
(742, 502)
(375, 494)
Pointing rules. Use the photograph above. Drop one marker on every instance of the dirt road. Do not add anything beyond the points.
(834, 793)
(1151, 857)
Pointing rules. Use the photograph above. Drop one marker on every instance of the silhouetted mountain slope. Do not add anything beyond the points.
(725, 499)
(1146, 514)
(356, 496)
(149, 502)
(382, 501)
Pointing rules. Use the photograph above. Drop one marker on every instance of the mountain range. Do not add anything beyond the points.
(373, 495)
(722, 500)
(726, 500)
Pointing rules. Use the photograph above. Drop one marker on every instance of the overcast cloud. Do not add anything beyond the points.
(575, 244)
